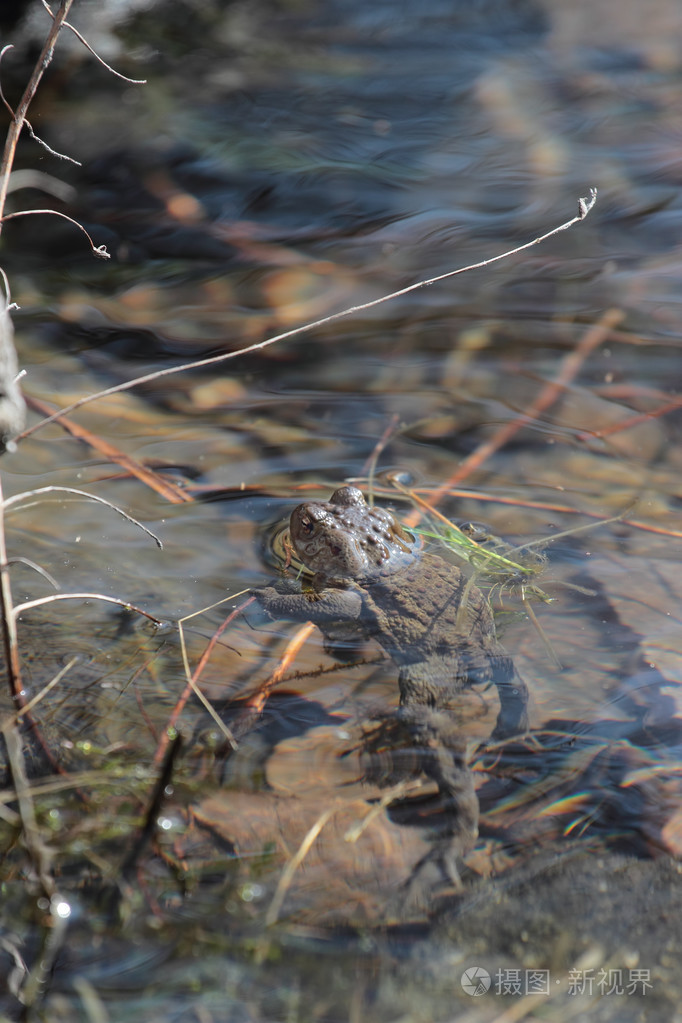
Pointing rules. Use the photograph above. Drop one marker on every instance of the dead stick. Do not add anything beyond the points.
(150, 825)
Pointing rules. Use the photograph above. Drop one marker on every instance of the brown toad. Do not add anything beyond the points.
(371, 579)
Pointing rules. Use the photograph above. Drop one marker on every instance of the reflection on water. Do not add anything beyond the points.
(283, 163)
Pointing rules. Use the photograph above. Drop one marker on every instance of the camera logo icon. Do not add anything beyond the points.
(475, 981)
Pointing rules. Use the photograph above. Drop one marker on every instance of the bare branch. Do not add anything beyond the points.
(12, 406)
(42, 857)
(49, 149)
(54, 681)
(2, 95)
(97, 250)
(18, 560)
(585, 205)
(214, 360)
(52, 152)
(8, 624)
(27, 605)
(39, 851)
(294, 863)
(42, 182)
(8, 294)
(29, 92)
(19, 498)
(86, 44)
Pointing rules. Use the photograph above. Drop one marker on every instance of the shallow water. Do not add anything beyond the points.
(282, 164)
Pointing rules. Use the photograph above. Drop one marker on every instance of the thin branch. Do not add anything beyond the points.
(42, 856)
(49, 149)
(8, 294)
(193, 678)
(18, 560)
(515, 502)
(97, 250)
(631, 421)
(584, 207)
(255, 704)
(54, 681)
(80, 493)
(287, 875)
(370, 466)
(42, 182)
(27, 605)
(39, 852)
(8, 626)
(8, 622)
(86, 44)
(401, 789)
(2, 95)
(19, 117)
(53, 152)
(154, 808)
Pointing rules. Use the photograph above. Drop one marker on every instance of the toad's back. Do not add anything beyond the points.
(438, 629)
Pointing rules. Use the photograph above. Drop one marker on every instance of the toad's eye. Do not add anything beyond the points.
(307, 525)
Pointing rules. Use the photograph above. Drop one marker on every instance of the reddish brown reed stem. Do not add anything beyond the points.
(568, 369)
(256, 702)
(196, 675)
(632, 421)
(170, 491)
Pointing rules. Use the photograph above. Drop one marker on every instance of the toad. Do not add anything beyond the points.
(370, 579)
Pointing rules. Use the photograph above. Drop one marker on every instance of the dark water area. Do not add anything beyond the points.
(285, 162)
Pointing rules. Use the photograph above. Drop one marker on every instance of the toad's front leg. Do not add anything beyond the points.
(323, 608)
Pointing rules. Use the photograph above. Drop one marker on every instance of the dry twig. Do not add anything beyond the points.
(58, 911)
(86, 44)
(97, 250)
(24, 500)
(584, 207)
(19, 116)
